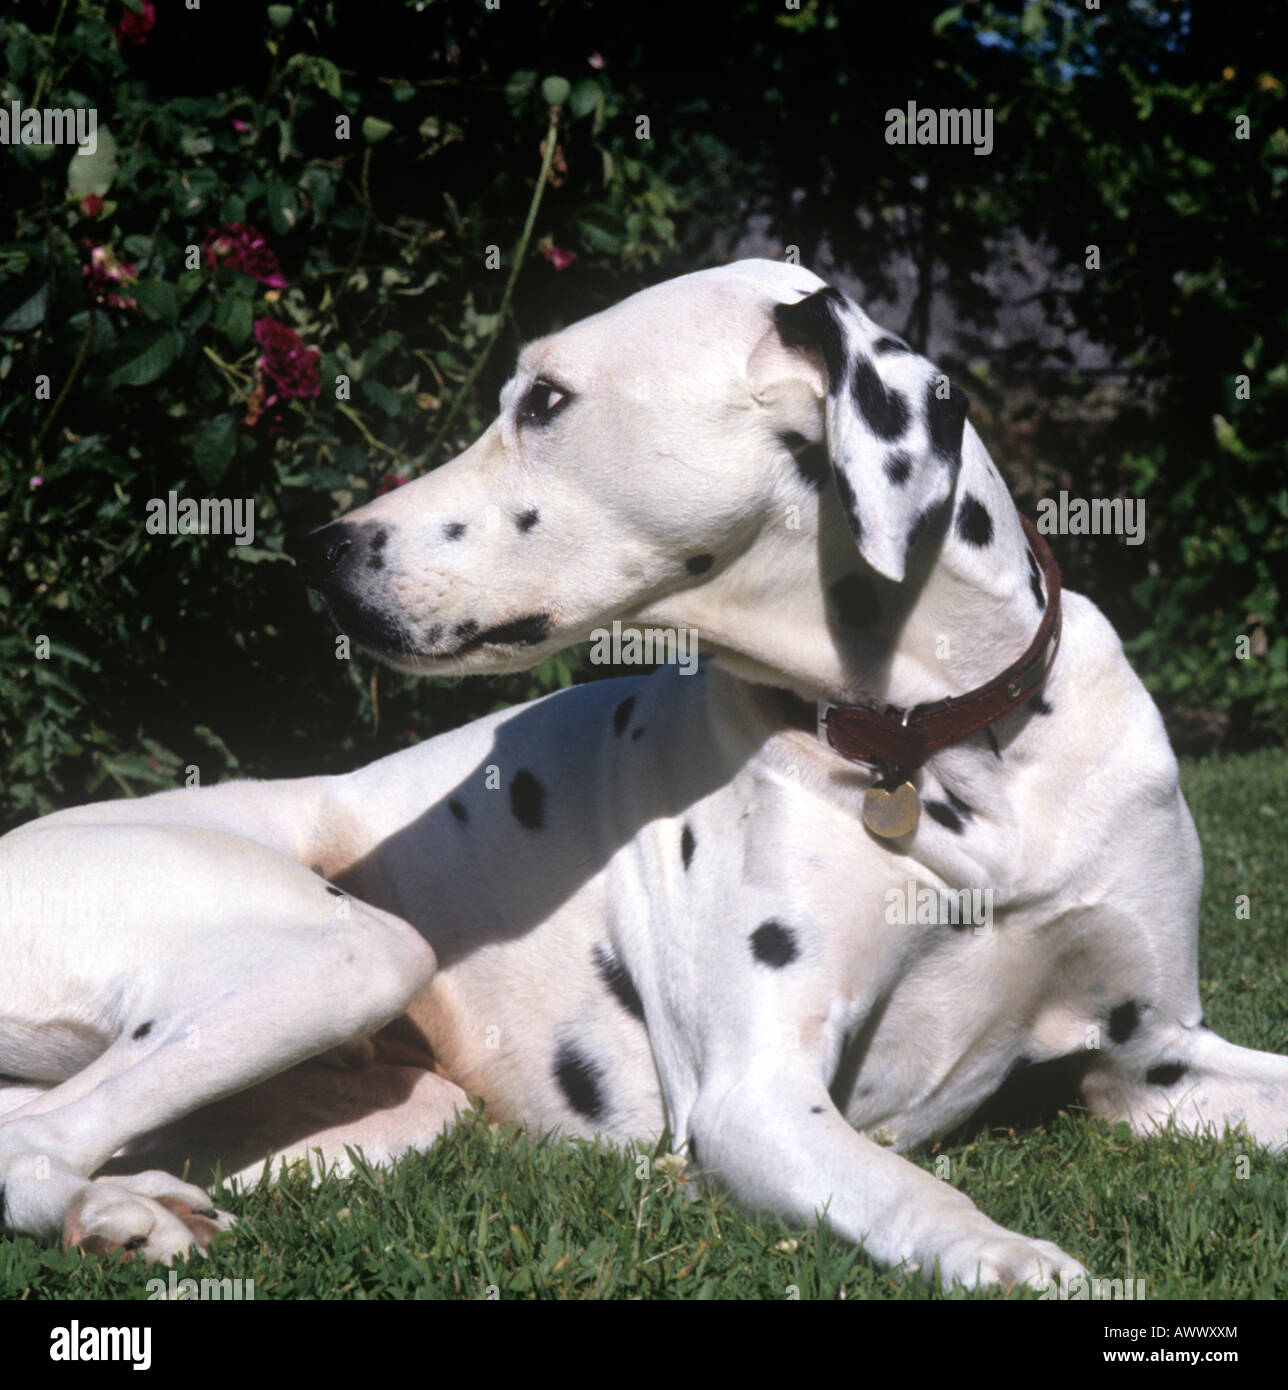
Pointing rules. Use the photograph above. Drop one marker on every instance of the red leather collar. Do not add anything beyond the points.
(903, 744)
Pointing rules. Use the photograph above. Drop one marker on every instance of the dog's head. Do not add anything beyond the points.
(686, 441)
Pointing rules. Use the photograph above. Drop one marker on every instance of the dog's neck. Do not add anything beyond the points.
(799, 610)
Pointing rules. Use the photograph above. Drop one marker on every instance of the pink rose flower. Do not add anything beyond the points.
(104, 272)
(558, 257)
(135, 28)
(290, 368)
(240, 247)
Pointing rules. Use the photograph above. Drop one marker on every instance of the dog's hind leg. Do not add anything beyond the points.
(151, 971)
(1194, 1081)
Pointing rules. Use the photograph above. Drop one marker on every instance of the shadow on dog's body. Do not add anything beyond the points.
(653, 901)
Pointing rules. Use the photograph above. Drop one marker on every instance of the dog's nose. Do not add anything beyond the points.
(322, 552)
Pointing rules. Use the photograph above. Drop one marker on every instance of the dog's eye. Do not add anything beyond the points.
(542, 402)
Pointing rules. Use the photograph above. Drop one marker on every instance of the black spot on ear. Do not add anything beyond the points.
(854, 598)
(946, 419)
(974, 525)
(581, 1082)
(1039, 705)
(527, 796)
(454, 530)
(141, 1031)
(525, 521)
(774, 944)
(699, 564)
(376, 548)
(898, 467)
(813, 323)
(944, 815)
(457, 809)
(850, 503)
(884, 409)
(1123, 1021)
(622, 714)
(887, 344)
(687, 844)
(1166, 1074)
(1035, 583)
(615, 975)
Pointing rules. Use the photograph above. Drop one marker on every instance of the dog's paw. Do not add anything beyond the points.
(1008, 1259)
(149, 1216)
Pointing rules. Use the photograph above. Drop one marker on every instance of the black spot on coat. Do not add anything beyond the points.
(142, 1031)
(581, 1081)
(687, 844)
(527, 796)
(898, 467)
(454, 530)
(615, 975)
(944, 815)
(457, 808)
(974, 525)
(525, 521)
(1123, 1021)
(699, 564)
(774, 944)
(622, 714)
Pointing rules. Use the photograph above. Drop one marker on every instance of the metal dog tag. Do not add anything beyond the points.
(892, 814)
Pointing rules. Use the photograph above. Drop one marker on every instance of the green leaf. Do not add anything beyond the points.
(279, 16)
(555, 90)
(381, 395)
(283, 206)
(215, 447)
(585, 97)
(374, 130)
(29, 314)
(158, 299)
(93, 173)
(149, 364)
(235, 317)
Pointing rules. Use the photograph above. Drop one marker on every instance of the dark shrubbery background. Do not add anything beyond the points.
(1114, 129)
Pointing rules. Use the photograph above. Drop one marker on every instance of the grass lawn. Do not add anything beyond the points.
(491, 1211)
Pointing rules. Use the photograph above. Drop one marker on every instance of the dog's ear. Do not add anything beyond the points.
(894, 423)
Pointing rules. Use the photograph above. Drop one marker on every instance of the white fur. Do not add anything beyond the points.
(200, 914)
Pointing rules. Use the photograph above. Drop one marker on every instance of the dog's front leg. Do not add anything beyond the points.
(777, 1141)
(158, 969)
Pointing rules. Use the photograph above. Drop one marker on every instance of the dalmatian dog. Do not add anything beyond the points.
(691, 899)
